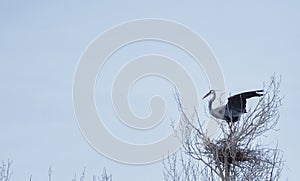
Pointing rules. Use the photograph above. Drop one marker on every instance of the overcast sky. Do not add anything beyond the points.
(41, 44)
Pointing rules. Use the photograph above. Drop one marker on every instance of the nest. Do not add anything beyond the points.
(227, 152)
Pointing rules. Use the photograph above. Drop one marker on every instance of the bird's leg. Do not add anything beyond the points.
(230, 124)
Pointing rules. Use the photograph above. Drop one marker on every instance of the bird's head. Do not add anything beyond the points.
(211, 92)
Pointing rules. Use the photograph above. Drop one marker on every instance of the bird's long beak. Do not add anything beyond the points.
(206, 95)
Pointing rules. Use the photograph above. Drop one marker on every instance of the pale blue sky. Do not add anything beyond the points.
(41, 43)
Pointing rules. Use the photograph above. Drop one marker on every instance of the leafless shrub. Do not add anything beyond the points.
(104, 176)
(237, 152)
(50, 172)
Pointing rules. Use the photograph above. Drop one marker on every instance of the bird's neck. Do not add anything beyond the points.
(210, 108)
(210, 105)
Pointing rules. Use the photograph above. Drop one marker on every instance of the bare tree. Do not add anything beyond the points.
(5, 170)
(237, 152)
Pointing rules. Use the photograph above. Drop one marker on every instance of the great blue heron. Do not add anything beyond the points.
(235, 107)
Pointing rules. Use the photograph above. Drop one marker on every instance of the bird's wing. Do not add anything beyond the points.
(238, 102)
(246, 95)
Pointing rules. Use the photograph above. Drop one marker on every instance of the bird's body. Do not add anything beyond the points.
(235, 107)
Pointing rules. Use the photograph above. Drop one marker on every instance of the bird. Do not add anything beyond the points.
(234, 108)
